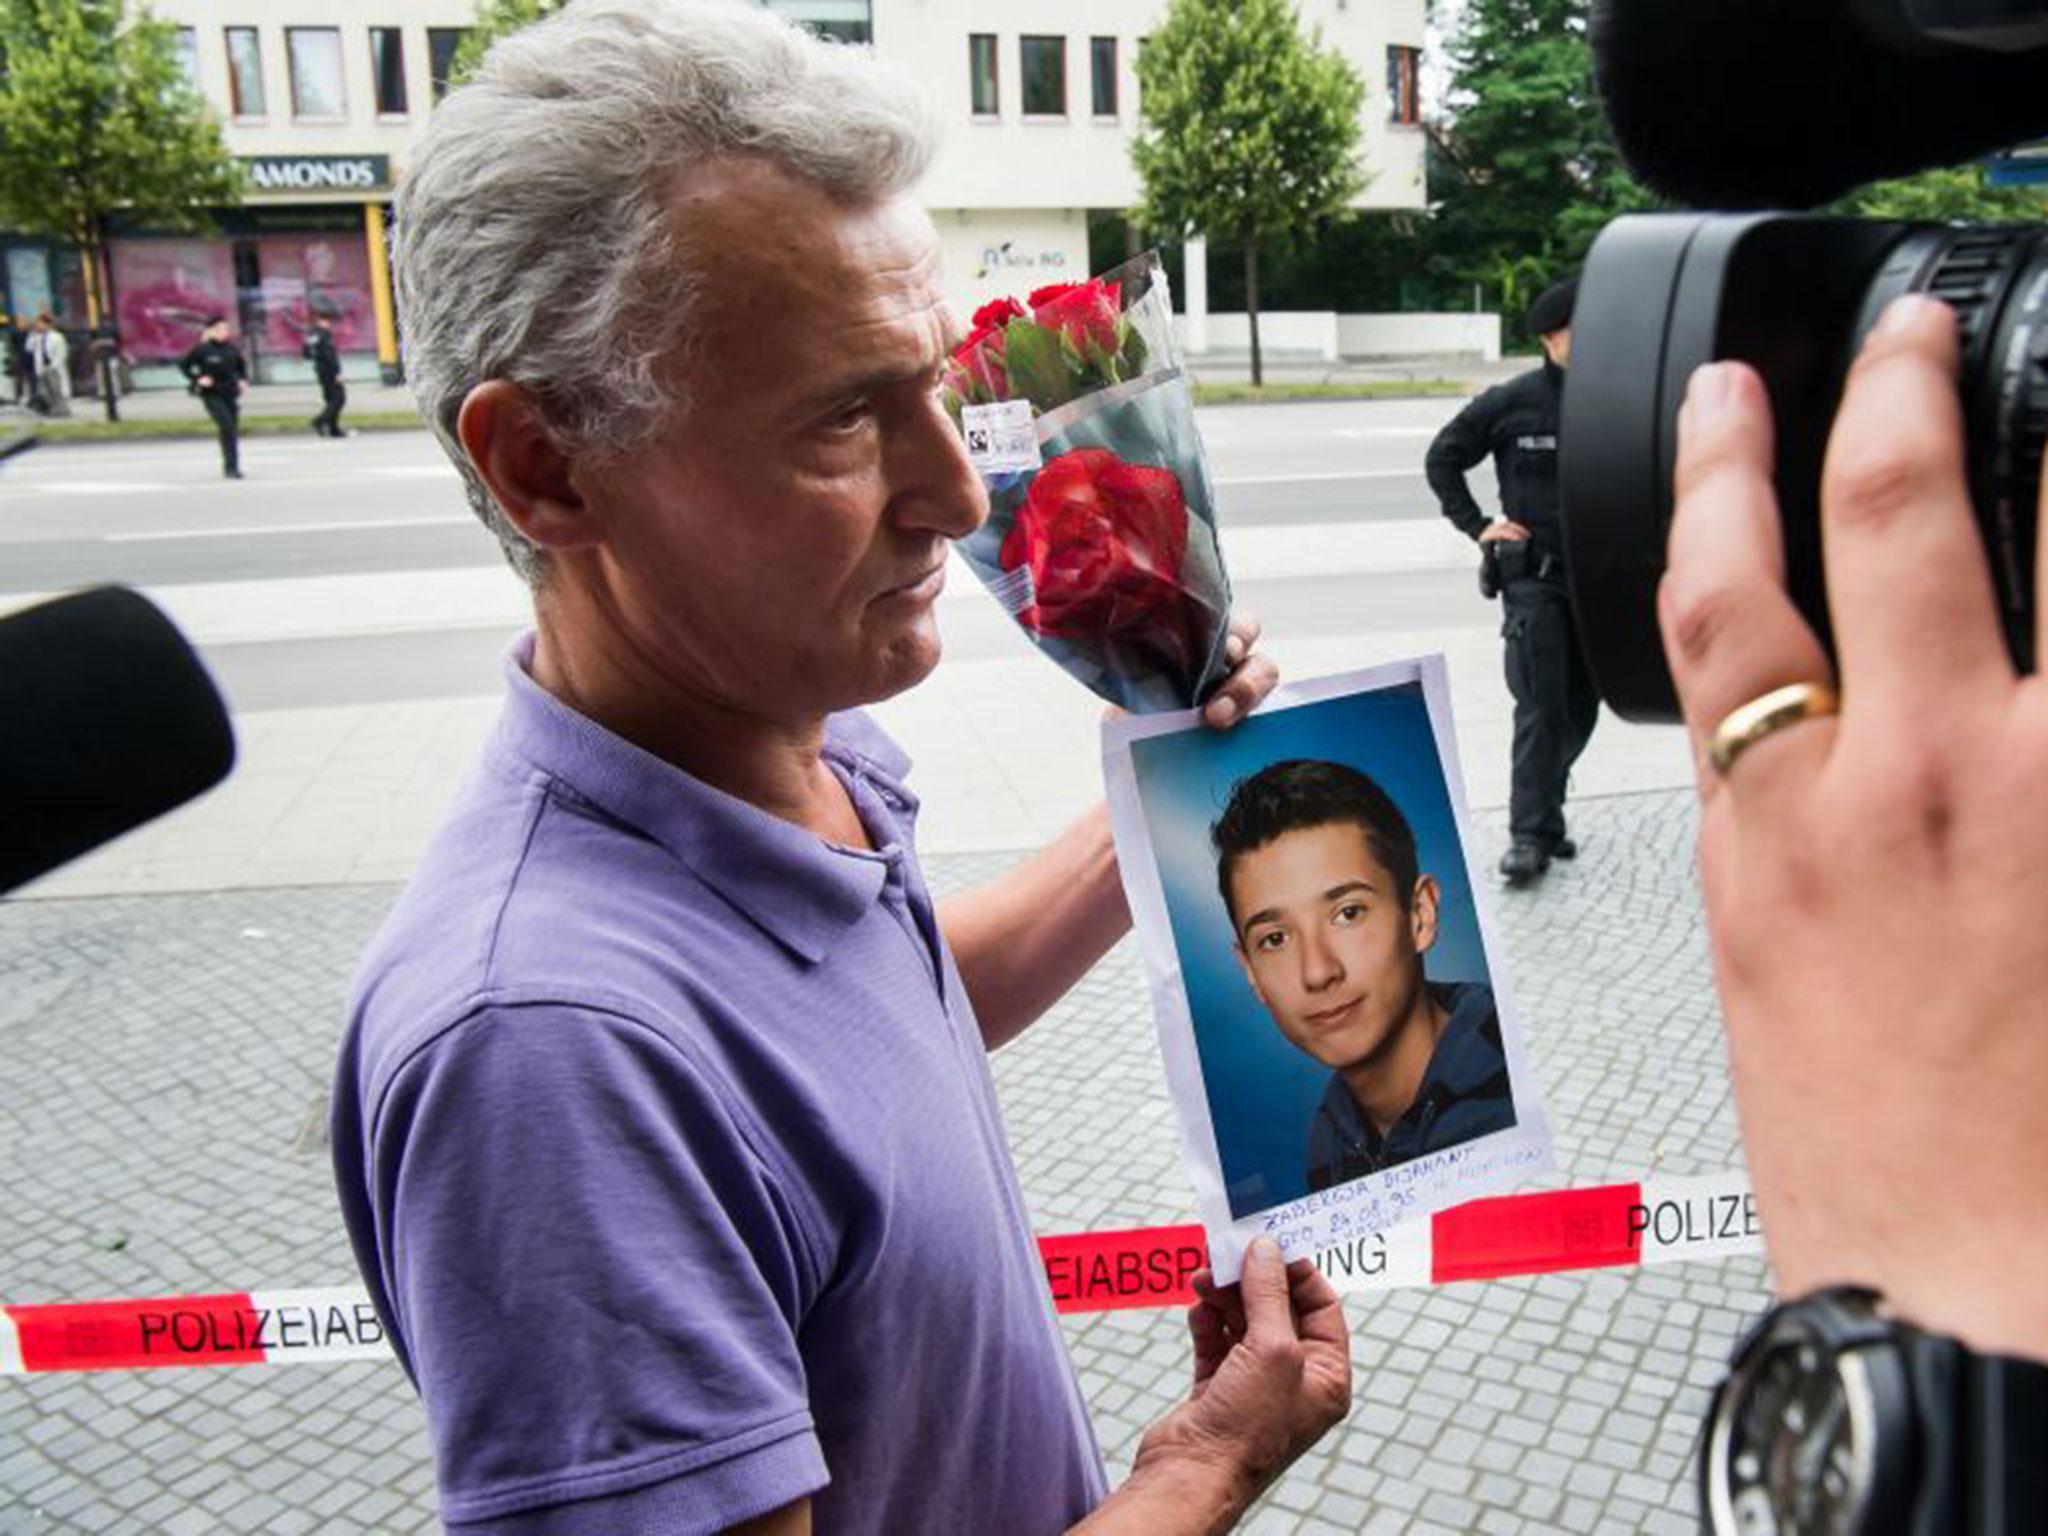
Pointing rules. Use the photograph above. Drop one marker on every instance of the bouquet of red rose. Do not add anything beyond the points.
(1102, 539)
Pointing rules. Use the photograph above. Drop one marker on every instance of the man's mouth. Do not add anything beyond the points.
(1329, 1016)
(922, 588)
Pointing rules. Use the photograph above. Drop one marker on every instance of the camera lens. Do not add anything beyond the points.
(1793, 297)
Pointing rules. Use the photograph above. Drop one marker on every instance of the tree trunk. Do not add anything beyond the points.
(1251, 301)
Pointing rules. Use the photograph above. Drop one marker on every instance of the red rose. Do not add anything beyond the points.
(996, 314)
(1104, 541)
(1084, 312)
(975, 373)
(977, 363)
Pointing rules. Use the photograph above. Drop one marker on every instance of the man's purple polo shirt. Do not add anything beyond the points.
(669, 1152)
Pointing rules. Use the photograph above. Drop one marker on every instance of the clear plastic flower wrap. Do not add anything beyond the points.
(1102, 540)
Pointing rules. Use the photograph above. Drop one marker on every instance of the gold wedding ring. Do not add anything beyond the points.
(1749, 724)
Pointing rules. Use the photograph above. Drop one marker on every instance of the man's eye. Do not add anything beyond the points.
(1271, 939)
(1351, 912)
(850, 417)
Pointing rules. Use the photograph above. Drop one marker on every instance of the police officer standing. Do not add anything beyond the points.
(320, 352)
(1555, 701)
(216, 371)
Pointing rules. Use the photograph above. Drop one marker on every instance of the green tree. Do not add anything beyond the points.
(1526, 169)
(495, 19)
(1948, 195)
(96, 115)
(1249, 127)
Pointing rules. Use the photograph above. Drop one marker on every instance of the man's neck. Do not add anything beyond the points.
(775, 763)
(1385, 1084)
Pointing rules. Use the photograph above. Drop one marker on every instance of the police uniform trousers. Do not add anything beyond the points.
(1556, 705)
(226, 414)
(333, 396)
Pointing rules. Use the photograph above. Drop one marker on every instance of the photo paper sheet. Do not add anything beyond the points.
(1339, 1036)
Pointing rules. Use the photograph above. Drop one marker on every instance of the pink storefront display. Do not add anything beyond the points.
(300, 275)
(165, 290)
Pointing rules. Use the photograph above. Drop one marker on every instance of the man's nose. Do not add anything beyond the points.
(1320, 966)
(935, 487)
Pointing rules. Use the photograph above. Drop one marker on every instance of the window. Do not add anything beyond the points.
(1102, 74)
(387, 70)
(442, 43)
(841, 21)
(1404, 88)
(315, 57)
(245, 72)
(188, 56)
(981, 74)
(1044, 74)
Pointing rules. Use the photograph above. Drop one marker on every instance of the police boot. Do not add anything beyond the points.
(1524, 861)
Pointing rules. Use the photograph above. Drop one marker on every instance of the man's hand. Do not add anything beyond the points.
(1504, 528)
(204, 381)
(1272, 1376)
(1876, 883)
(1251, 676)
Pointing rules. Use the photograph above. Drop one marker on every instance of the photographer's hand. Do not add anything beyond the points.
(1876, 883)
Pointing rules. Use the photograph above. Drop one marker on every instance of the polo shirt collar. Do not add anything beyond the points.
(792, 884)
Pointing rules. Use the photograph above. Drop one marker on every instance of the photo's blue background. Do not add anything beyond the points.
(1262, 1091)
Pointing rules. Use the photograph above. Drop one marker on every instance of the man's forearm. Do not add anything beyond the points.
(1456, 501)
(1022, 940)
(1172, 1498)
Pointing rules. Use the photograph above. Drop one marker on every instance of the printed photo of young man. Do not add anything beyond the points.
(1333, 919)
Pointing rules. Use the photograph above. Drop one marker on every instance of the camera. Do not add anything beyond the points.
(1848, 90)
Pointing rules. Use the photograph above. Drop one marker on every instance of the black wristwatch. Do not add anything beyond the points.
(1838, 1420)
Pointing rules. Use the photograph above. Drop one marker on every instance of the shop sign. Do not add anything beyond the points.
(1011, 256)
(319, 173)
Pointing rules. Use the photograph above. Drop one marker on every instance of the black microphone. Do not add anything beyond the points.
(1791, 103)
(107, 720)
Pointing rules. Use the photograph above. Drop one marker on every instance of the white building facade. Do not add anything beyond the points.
(323, 100)
(1040, 103)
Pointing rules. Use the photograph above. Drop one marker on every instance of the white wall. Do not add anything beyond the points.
(1282, 333)
(1077, 161)
(361, 131)
(1328, 336)
(1009, 163)
(1419, 335)
(989, 252)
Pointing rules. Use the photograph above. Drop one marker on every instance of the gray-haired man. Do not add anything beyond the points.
(663, 1126)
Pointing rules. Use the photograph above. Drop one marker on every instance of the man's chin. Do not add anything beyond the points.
(902, 664)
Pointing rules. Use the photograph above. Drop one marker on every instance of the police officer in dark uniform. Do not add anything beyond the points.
(1555, 701)
(216, 371)
(320, 351)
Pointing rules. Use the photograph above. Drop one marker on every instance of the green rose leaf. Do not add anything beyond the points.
(1130, 348)
(1036, 365)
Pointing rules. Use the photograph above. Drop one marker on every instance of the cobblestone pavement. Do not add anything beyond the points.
(163, 1062)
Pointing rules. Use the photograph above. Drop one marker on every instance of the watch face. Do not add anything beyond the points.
(1797, 1455)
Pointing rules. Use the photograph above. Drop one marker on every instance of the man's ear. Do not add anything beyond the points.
(1422, 912)
(516, 453)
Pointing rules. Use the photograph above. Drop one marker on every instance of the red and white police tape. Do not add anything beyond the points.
(1653, 1221)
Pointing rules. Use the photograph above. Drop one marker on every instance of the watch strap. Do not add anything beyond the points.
(2005, 1403)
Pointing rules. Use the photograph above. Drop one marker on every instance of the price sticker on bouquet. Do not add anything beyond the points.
(1000, 437)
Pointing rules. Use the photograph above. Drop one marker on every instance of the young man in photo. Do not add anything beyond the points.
(1332, 917)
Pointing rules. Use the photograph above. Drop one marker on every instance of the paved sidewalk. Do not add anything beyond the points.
(161, 1092)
